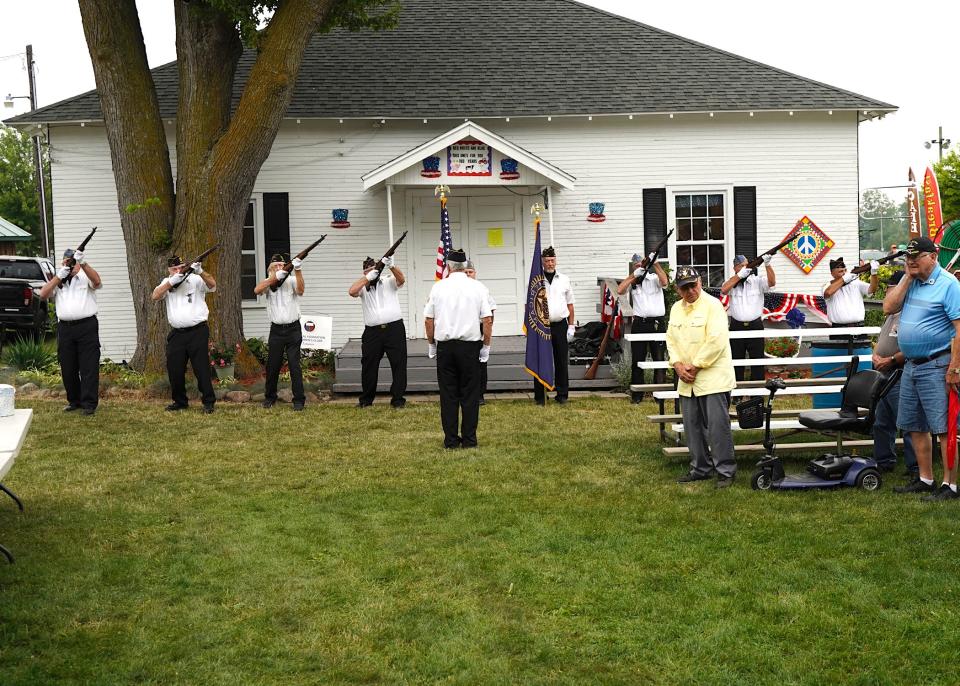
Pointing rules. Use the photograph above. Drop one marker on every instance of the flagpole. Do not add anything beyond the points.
(550, 214)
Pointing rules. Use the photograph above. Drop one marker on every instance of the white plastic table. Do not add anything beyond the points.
(13, 431)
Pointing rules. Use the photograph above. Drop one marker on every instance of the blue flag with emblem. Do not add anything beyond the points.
(536, 319)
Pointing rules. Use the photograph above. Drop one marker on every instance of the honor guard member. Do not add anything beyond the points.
(844, 294)
(283, 308)
(646, 300)
(560, 304)
(746, 289)
(383, 331)
(471, 271)
(189, 334)
(78, 333)
(698, 343)
(453, 309)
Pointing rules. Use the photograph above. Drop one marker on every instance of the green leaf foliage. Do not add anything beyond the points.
(19, 203)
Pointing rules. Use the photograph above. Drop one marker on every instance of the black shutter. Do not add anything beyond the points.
(654, 216)
(276, 224)
(745, 221)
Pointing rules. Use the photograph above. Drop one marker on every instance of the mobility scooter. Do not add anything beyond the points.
(863, 389)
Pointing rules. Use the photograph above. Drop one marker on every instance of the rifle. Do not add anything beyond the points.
(758, 260)
(863, 268)
(300, 255)
(645, 263)
(71, 262)
(591, 373)
(189, 269)
(379, 266)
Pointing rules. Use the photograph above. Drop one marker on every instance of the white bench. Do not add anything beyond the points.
(13, 431)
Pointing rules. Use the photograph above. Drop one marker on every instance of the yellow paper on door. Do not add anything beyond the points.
(494, 238)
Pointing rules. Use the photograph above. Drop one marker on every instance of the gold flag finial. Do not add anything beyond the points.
(536, 209)
(441, 190)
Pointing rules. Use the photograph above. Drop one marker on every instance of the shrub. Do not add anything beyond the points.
(317, 359)
(781, 347)
(258, 348)
(221, 355)
(26, 353)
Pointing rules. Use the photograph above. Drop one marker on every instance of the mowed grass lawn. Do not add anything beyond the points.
(345, 546)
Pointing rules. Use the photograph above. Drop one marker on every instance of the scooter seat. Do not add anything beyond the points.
(832, 420)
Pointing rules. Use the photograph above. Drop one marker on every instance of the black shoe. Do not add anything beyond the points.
(886, 466)
(298, 407)
(915, 486)
(691, 476)
(398, 403)
(89, 410)
(541, 403)
(561, 401)
(71, 408)
(268, 403)
(208, 409)
(175, 407)
(637, 398)
(724, 482)
(912, 473)
(482, 400)
(943, 493)
(362, 404)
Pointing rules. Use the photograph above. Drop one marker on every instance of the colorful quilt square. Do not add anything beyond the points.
(809, 247)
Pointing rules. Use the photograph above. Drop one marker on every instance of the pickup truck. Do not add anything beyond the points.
(20, 280)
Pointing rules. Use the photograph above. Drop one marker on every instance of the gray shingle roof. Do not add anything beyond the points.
(481, 58)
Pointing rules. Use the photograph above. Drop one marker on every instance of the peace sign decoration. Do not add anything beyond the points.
(810, 246)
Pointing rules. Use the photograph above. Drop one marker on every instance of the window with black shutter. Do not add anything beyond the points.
(263, 237)
(745, 220)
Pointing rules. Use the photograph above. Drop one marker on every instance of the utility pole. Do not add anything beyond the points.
(941, 143)
(37, 155)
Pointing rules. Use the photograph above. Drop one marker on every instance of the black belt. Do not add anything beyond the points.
(382, 326)
(847, 324)
(286, 326)
(928, 358)
(74, 322)
(648, 319)
(737, 321)
(191, 328)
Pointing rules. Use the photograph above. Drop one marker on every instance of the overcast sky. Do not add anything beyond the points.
(895, 52)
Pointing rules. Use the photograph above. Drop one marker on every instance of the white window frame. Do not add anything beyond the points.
(726, 190)
(260, 301)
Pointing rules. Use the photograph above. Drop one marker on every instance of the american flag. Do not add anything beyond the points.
(611, 310)
(777, 305)
(446, 241)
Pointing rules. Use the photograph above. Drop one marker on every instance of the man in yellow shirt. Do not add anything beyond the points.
(698, 348)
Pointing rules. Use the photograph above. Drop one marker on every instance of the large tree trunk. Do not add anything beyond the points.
(141, 160)
(218, 156)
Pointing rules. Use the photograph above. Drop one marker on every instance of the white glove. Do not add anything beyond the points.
(388, 262)
(280, 274)
(767, 259)
(638, 272)
(63, 273)
(484, 353)
(849, 276)
(78, 256)
(197, 268)
(743, 273)
(176, 279)
(570, 331)
(297, 264)
(651, 258)
(874, 267)
(372, 274)
(431, 350)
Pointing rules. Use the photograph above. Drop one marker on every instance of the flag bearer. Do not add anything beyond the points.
(560, 303)
(283, 308)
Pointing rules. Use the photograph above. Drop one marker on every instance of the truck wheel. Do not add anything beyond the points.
(869, 479)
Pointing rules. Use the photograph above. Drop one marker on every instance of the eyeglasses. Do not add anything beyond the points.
(916, 258)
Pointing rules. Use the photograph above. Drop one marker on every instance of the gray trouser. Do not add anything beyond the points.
(706, 422)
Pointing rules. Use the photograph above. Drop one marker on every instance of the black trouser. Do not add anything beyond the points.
(458, 375)
(376, 340)
(189, 344)
(483, 379)
(639, 350)
(284, 338)
(742, 348)
(78, 350)
(561, 363)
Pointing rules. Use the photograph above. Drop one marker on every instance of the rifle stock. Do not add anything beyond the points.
(379, 266)
(591, 372)
(300, 255)
(758, 260)
(189, 269)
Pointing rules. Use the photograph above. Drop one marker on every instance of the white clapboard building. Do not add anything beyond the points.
(584, 106)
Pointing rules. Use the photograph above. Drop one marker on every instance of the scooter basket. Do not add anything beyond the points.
(750, 413)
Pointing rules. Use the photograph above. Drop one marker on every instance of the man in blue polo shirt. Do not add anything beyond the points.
(928, 299)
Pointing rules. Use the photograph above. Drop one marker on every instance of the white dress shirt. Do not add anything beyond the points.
(381, 305)
(846, 305)
(187, 305)
(283, 304)
(76, 300)
(455, 304)
(559, 295)
(746, 298)
(647, 297)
